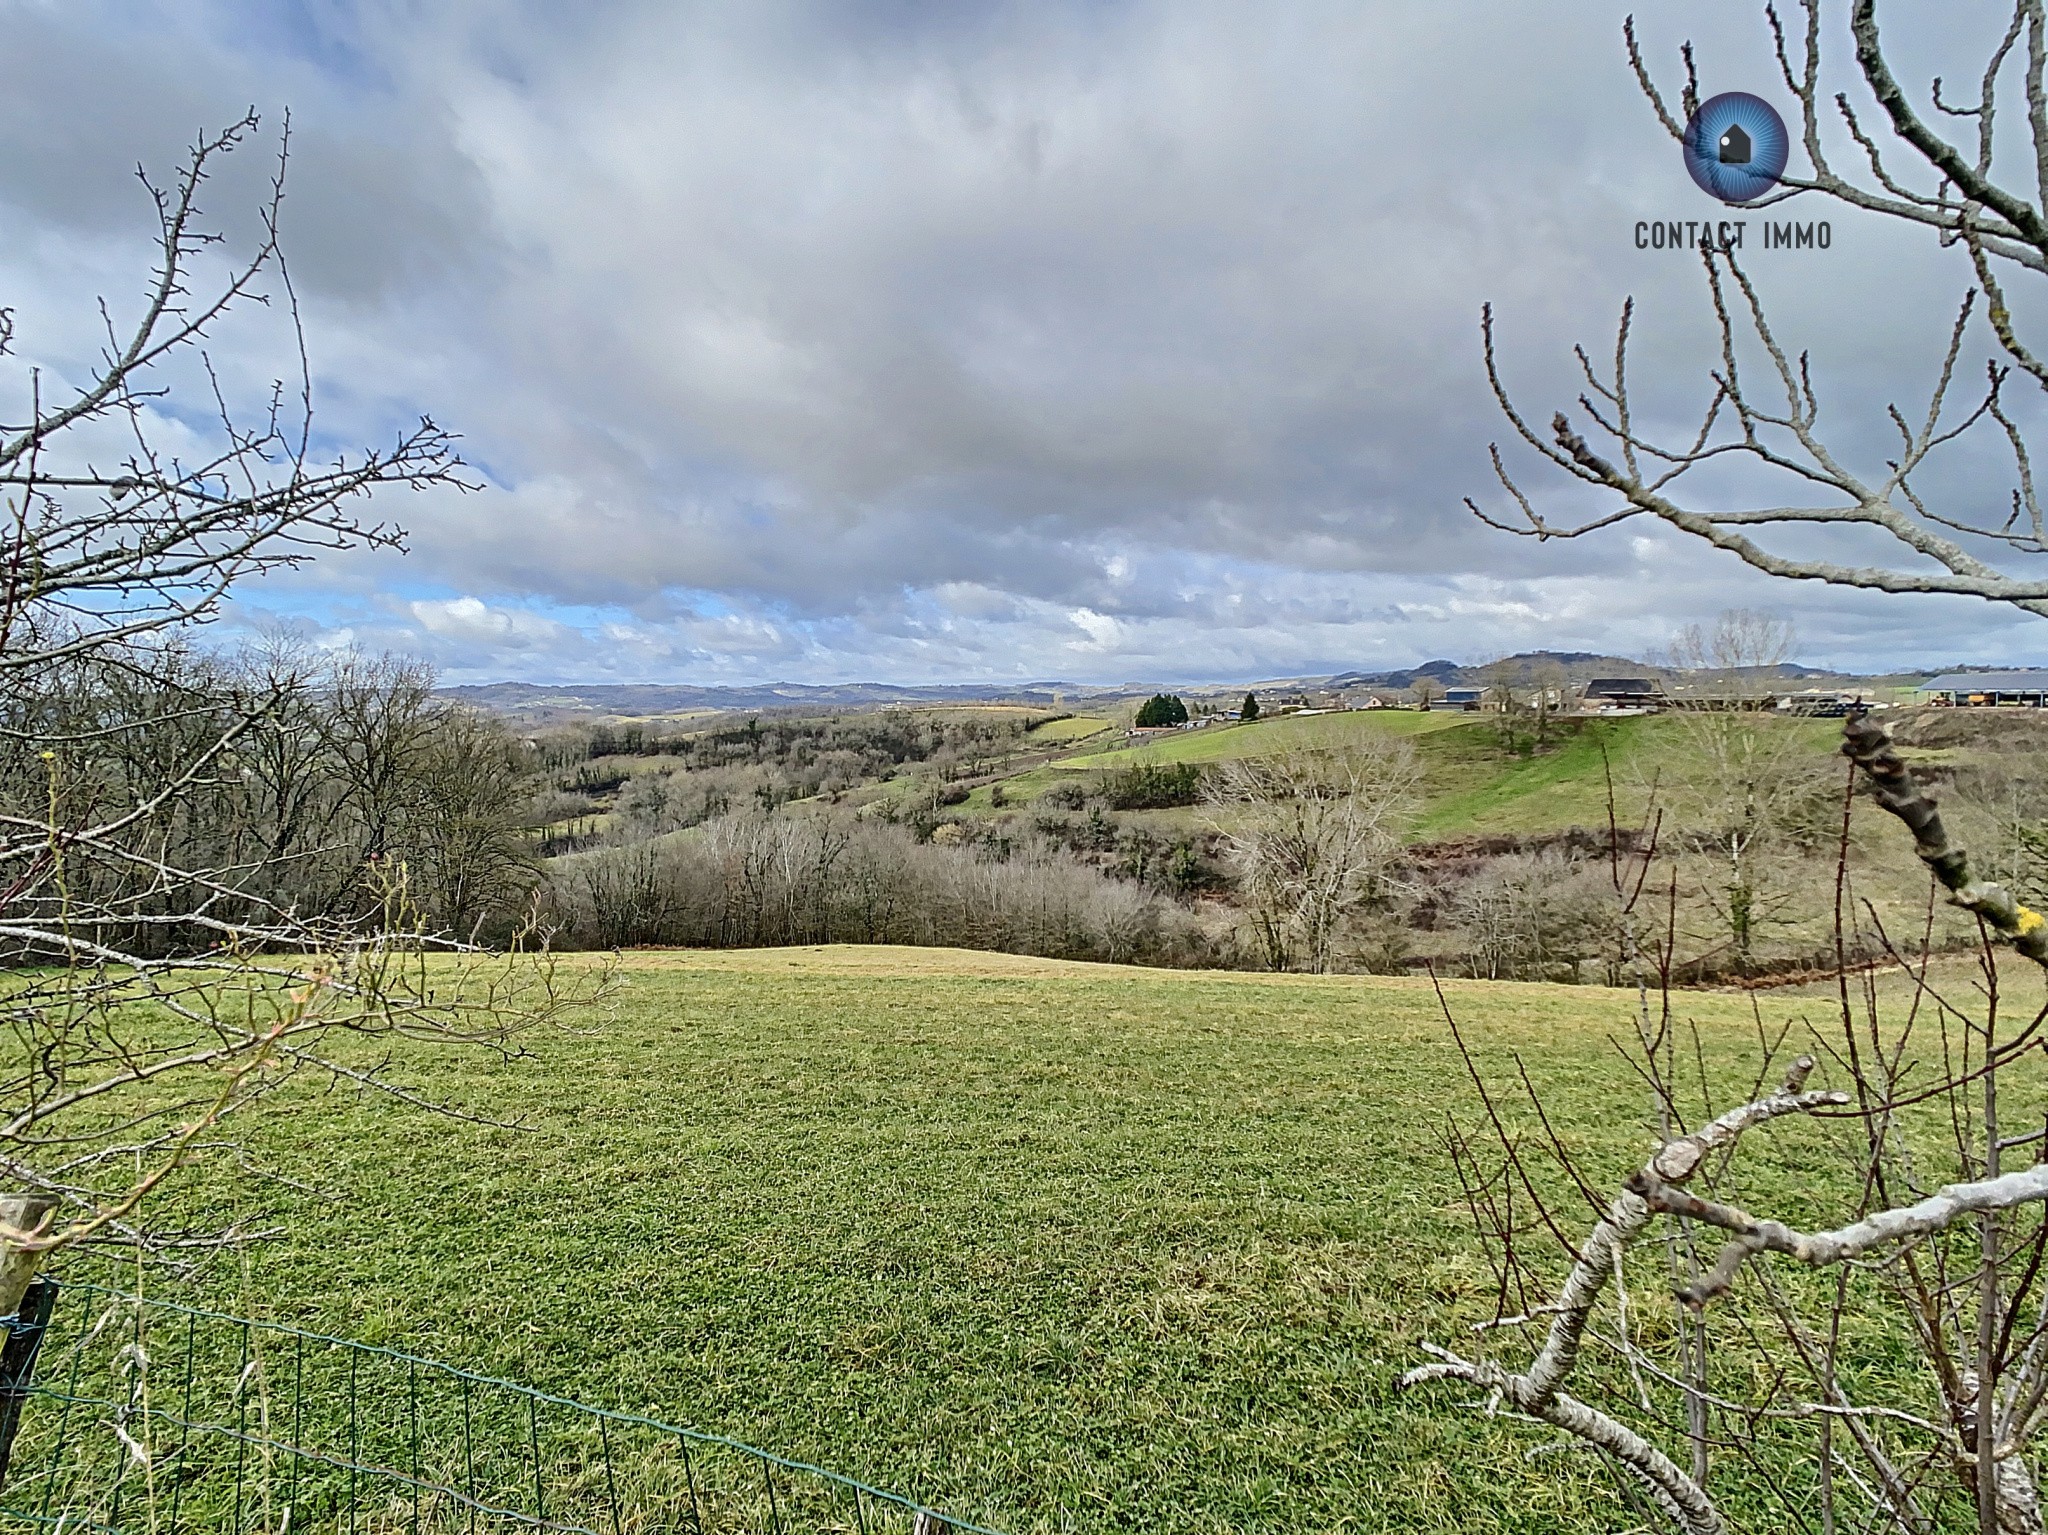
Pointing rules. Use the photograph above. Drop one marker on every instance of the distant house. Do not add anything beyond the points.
(2026, 689)
(1608, 695)
(1827, 703)
(1459, 698)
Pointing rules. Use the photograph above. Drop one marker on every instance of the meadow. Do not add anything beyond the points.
(1470, 786)
(1055, 1246)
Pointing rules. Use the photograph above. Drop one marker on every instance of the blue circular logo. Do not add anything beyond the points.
(1735, 147)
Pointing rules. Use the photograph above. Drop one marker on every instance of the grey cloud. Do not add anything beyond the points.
(849, 339)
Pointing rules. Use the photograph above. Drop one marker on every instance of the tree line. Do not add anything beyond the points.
(747, 880)
(327, 787)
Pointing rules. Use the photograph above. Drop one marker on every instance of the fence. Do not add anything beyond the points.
(152, 1418)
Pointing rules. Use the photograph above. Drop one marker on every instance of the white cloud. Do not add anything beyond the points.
(1105, 634)
(473, 621)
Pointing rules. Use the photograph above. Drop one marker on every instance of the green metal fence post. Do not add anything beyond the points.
(412, 1399)
(355, 1445)
(298, 1413)
(468, 1457)
(184, 1420)
(241, 1427)
(540, 1496)
(611, 1481)
(690, 1478)
(63, 1422)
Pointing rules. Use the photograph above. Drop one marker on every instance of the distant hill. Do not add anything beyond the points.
(537, 701)
(1579, 667)
(1443, 671)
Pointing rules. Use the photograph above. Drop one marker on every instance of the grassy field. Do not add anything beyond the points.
(1075, 727)
(1470, 785)
(1220, 742)
(1057, 1246)
(1472, 789)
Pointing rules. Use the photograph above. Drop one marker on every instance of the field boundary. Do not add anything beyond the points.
(154, 1415)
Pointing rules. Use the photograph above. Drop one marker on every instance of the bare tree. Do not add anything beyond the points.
(1931, 1219)
(1751, 794)
(817, 876)
(1550, 696)
(1533, 917)
(160, 978)
(1507, 698)
(1983, 190)
(1311, 835)
(1738, 661)
(1935, 1239)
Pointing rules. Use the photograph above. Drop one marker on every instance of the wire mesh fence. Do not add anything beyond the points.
(151, 1418)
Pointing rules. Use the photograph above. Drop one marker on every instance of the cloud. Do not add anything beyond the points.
(472, 620)
(1120, 340)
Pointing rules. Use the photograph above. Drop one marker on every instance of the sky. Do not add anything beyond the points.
(1062, 339)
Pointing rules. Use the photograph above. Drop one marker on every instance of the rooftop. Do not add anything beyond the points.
(2032, 679)
(1605, 687)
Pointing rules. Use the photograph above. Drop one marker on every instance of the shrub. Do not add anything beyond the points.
(1064, 795)
(747, 880)
(1153, 786)
(1161, 709)
(1533, 917)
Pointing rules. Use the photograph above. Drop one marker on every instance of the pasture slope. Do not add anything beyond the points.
(1470, 785)
(1059, 1246)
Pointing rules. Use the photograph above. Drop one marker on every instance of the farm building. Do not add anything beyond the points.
(1827, 703)
(1607, 694)
(2027, 689)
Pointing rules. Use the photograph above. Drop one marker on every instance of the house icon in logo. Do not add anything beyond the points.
(1736, 147)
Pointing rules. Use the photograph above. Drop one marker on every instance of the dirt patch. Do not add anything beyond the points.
(1988, 730)
(1460, 855)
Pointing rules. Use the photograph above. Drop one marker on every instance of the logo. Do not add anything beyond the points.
(1735, 147)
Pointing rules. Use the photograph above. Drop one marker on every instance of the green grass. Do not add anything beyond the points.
(1219, 742)
(1075, 727)
(1471, 786)
(596, 824)
(1054, 1245)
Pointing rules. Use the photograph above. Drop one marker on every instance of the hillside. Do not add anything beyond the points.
(542, 703)
(1471, 787)
(1576, 667)
(997, 826)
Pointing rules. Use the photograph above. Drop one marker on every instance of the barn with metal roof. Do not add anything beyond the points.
(2026, 689)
